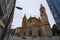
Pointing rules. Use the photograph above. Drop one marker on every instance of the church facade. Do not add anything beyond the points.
(35, 26)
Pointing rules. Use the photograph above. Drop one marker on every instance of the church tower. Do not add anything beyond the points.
(44, 18)
(24, 21)
(46, 30)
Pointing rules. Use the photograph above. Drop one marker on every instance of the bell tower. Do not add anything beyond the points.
(46, 30)
(44, 18)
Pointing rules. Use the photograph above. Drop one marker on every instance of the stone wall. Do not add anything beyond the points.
(36, 38)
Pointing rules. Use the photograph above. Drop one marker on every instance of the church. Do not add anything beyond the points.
(35, 26)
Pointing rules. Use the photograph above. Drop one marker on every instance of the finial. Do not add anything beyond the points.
(24, 14)
(41, 5)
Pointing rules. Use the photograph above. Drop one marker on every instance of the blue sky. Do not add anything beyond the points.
(30, 8)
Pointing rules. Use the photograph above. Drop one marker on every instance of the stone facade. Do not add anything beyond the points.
(35, 26)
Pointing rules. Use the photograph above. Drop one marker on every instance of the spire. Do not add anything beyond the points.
(42, 7)
(24, 15)
(24, 20)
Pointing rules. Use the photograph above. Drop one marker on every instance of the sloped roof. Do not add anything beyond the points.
(32, 18)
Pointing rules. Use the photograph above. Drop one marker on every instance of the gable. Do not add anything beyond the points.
(33, 20)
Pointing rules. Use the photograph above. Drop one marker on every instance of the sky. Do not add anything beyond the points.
(30, 8)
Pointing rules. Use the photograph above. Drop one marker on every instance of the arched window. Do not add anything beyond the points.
(42, 11)
(24, 33)
(39, 32)
(30, 33)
